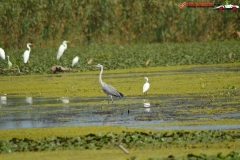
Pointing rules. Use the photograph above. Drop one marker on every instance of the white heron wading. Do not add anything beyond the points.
(108, 89)
(26, 54)
(9, 63)
(61, 49)
(2, 54)
(146, 86)
(75, 60)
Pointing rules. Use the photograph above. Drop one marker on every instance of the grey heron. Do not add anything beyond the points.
(26, 54)
(108, 89)
(61, 49)
(146, 86)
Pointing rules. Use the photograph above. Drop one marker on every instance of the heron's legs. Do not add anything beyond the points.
(108, 99)
(111, 98)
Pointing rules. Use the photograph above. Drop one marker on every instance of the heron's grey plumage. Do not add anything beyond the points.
(108, 89)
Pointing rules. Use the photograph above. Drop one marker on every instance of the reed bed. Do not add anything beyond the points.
(47, 23)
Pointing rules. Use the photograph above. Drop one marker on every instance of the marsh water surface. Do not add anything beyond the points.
(208, 97)
(152, 111)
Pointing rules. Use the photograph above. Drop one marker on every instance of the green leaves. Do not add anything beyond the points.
(109, 140)
(232, 155)
(124, 56)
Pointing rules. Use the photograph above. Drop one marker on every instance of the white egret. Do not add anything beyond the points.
(26, 54)
(146, 86)
(9, 63)
(2, 54)
(29, 100)
(146, 104)
(75, 60)
(3, 99)
(108, 89)
(65, 100)
(61, 49)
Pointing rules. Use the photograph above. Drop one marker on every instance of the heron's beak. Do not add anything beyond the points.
(32, 44)
(67, 41)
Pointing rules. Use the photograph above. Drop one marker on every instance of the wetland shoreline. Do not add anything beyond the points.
(209, 89)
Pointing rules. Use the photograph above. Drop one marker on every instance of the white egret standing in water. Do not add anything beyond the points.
(2, 54)
(75, 60)
(3, 99)
(29, 100)
(9, 63)
(146, 86)
(61, 49)
(108, 89)
(26, 54)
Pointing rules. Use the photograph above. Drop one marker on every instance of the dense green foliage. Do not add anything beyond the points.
(47, 23)
(230, 156)
(127, 139)
(126, 56)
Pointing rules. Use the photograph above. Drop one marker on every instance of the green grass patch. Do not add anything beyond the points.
(142, 154)
(163, 80)
(124, 56)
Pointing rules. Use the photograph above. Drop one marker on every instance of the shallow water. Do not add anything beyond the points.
(140, 111)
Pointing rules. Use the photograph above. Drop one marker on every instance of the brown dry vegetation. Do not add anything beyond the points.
(47, 23)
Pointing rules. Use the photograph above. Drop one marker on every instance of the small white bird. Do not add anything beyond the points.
(26, 54)
(9, 63)
(2, 54)
(146, 86)
(65, 100)
(29, 100)
(75, 60)
(3, 99)
(61, 49)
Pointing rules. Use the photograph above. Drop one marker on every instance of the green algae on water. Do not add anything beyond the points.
(163, 80)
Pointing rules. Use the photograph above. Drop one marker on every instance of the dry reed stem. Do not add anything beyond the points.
(146, 63)
(230, 55)
(89, 61)
(123, 149)
(238, 33)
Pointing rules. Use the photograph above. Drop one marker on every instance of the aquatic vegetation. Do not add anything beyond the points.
(214, 87)
(114, 57)
(131, 140)
(231, 155)
(164, 80)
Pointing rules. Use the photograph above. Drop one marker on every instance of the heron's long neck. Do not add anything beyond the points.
(100, 76)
